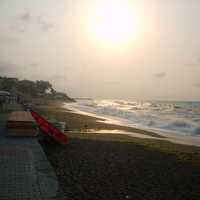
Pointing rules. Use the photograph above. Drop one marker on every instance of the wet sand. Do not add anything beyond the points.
(80, 122)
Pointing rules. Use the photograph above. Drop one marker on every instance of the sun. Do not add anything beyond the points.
(113, 22)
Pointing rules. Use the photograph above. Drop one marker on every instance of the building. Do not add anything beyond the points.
(8, 98)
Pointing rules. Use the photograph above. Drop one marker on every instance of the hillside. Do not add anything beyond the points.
(31, 89)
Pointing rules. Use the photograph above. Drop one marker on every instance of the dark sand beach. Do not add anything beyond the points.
(112, 166)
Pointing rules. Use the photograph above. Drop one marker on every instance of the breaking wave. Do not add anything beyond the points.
(170, 116)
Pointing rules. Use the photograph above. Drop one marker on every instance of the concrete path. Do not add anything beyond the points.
(25, 172)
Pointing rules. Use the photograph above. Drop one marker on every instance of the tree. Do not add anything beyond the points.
(27, 87)
(43, 86)
(7, 83)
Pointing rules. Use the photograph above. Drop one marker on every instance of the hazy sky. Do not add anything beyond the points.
(94, 48)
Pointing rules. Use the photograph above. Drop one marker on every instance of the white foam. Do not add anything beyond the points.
(91, 108)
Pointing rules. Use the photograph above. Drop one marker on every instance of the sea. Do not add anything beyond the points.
(171, 116)
(167, 117)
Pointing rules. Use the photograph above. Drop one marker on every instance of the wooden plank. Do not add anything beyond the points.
(21, 123)
(21, 116)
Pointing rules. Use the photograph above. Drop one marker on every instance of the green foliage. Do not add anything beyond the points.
(7, 84)
(43, 86)
(29, 88)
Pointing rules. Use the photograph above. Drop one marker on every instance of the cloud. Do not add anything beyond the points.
(44, 25)
(111, 82)
(192, 64)
(24, 20)
(58, 77)
(35, 64)
(2, 70)
(7, 40)
(6, 68)
(21, 22)
(195, 63)
(197, 85)
(160, 75)
(25, 17)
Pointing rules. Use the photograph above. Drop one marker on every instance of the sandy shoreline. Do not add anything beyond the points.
(79, 121)
(132, 131)
(115, 166)
(83, 126)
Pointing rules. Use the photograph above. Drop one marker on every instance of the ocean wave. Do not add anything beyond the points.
(181, 124)
(180, 117)
(196, 131)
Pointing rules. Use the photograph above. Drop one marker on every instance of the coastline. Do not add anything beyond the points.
(88, 127)
(116, 166)
(135, 131)
(93, 123)
(82, 122)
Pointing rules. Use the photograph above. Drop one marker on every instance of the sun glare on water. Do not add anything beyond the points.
(113, 23)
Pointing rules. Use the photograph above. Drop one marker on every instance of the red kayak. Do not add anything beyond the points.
(49, 129)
